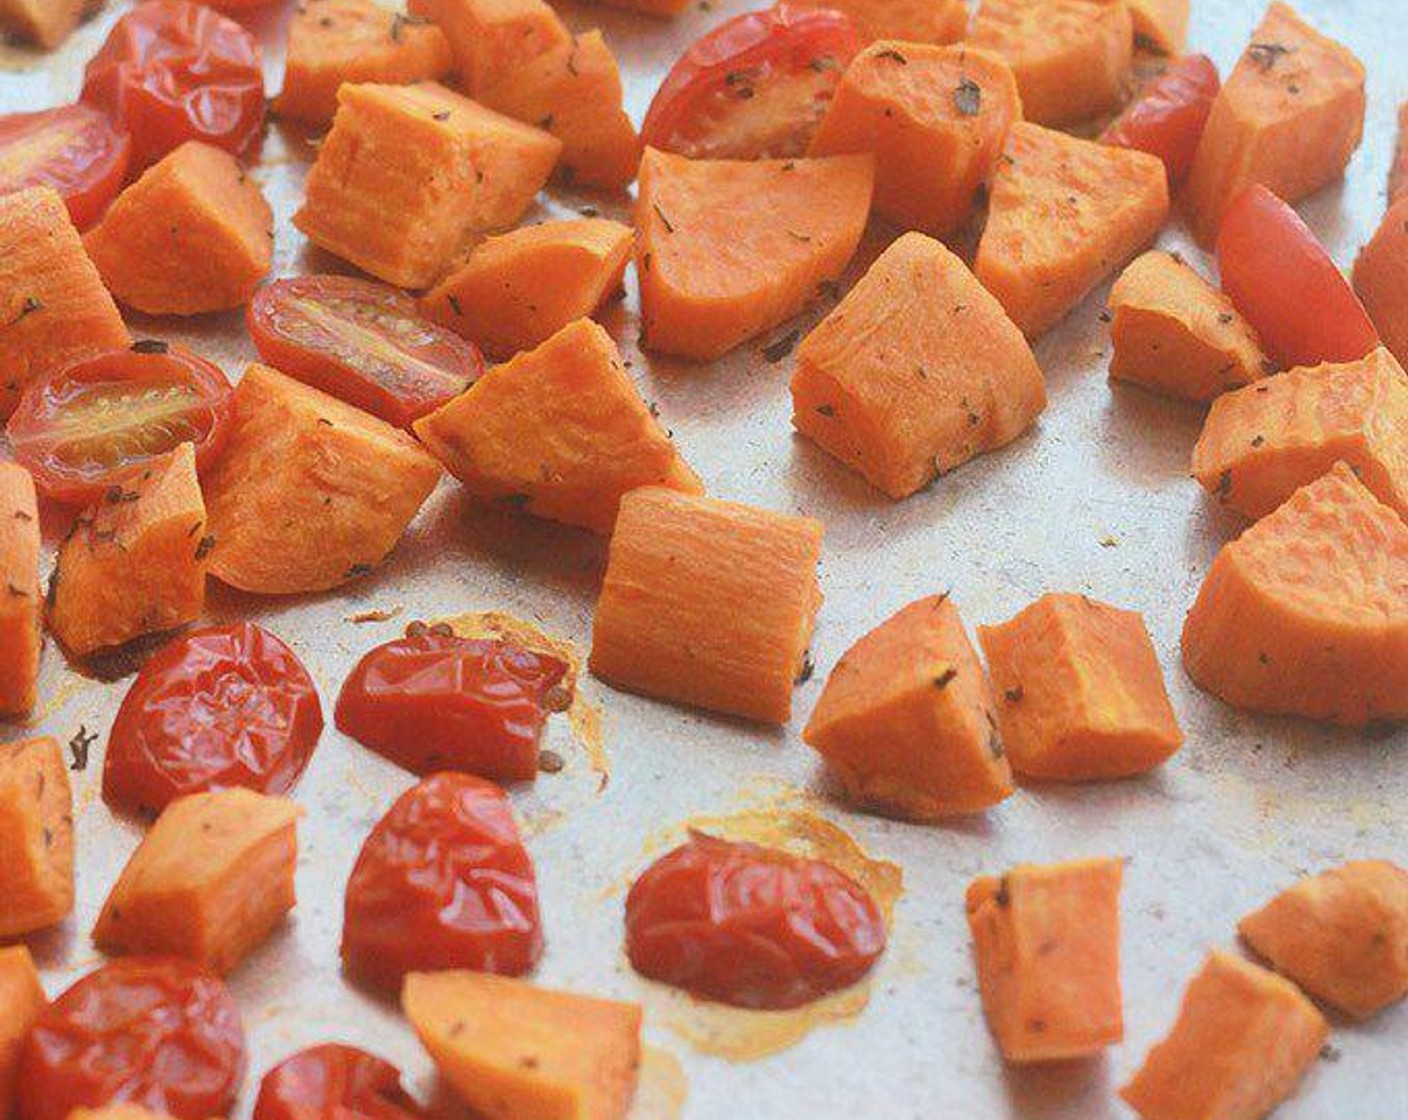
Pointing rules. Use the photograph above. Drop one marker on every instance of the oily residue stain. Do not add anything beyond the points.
(663, 1087)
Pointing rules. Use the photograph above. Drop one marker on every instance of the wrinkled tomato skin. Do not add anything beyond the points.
(230, 706)
(442, 882)
(150, 1031)
(440, 702)
(363, 342)
(1168, 119)
(750, 926)
(1281, 278)
(335, 1082)
(75, 149)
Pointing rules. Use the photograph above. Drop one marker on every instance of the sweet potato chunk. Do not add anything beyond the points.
(36, 837)
(728, 249)
(1398, 175)
(917, 370)
(1243, 1039)
(21, 999)
(910, 21)
(519, 289)
(1047, 945)
(707, 603)
(1064, 214)
(512, 1050)
(936, 119)
(46, 22)
(492, 39)
(21, 602)
(135, 563)
(1289, 116)
(1381, 279)
(1306, 613)
(1260, 445)
(1160, 25)
(410, 175)
(310, 492)
(1175, 333)
(906, 722)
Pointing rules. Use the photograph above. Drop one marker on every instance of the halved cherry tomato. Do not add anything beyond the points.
(750, 926)
(442, 882)
(335, 1082)
(363, 342)
(84, 427)
(150, 1031)
(1167, 120)
(74, 149)
(228, 706)
(172, 71)
(754, 88)
(434, 701)
(1281, 278)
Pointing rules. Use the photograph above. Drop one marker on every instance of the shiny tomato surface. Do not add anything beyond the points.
(82, 428)
(334, 1082)
(435, 701)
(76, 150)
(172, 71)
(149, 1031)
(750, 926)
(219, 708)
(1167, 120)
(1281, 278)
(363, 342)
(442, 882)
(754, 88)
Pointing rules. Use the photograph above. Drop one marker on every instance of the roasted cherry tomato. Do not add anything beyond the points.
(754, 88)
(1280, 277)
(363, 342)
(172, 71)
(434, 701)
(75, 149)
(84, 427)
(1167, 120)
(442, 882)
(334, 1082)
(749, 925)
(150, 1031)
(228, 706)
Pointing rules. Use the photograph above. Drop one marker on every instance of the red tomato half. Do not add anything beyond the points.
(82, 428)
(75, 149)
(229, 706)
(754, 88)
(172, 71)
(442, 882)
(1280, 277)
(334, 1082)
(363, 342)
(749, 925)
(1168, 119)
(149, 1031)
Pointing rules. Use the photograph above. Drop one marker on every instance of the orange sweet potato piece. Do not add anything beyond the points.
(1243, 1039)
(310, 492)
(46, 22)
(21, 999)
(1079, 691)
(1175, 333)
(517, 290)
(707, 603)
(1260, 445)
(935, 117)
(492, 39)
(906, 722)
(910, 21)
(21, 604)
(1289, 116)
(410, 175)
(512, 1050)
(728, 249)
(36, 837)
(1064, 214)
(135, 563)
(1398, 176)
(1306, 613)
(53, 306)
(1381, 279)
(335, 41)
(1160, 25)
(915, 371)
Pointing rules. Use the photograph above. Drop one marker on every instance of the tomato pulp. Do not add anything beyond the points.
(442, 882)
(750, 926)
(1168, 119)
(75, 149)
(334, 1082)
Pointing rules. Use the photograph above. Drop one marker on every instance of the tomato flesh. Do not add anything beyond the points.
(74, 149)
(750, 926)
(150, 1031)
(335, 1082)
(754, 88)
(1168, 119)
(363, 342)
(442, 882)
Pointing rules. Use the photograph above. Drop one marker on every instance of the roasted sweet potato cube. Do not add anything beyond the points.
(21, 998)
(21, 603)
(46, 22)
(1398, 174)
(910, 21)
(1381, 279)
(36, 837)
(492, 39)
(310, 492)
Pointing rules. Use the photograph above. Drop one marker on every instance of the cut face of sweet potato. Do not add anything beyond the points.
(21, 998)
(910, 21)
(36, 837)
(45, 22)
(21, 602)
(493, 38)
(1160, 26)
(310, 492)
(1381, 279)
(1306, 613)
(915, 371)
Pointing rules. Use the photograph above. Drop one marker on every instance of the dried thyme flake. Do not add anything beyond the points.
(1266, 55)
(891, 53)
(205, 547)
(150, 346)
(80, 745)
(669, 227)
(944, 679)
